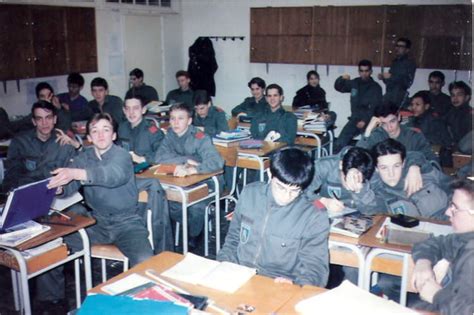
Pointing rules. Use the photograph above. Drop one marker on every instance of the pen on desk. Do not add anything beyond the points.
(61, 214)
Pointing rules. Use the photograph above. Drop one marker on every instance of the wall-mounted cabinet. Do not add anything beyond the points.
(441, 35)
(38, 41)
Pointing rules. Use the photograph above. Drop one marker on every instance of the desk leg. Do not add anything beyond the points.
(360, 257)
(23, 284)
(184, 211)
(16, 288)
(404, 284)
(218, 213)
(87, 258)
(331, 141)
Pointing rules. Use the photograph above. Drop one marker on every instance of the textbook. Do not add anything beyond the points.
(352, 225)
(59, 204)
(164, 169)
(20, 236)
(223, 276)
(251, 144)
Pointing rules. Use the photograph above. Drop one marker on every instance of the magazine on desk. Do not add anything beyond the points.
(352, 225)
(21, 233)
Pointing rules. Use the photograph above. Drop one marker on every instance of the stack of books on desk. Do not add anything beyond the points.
(352, 225)
(231, 138)
(157, 107)
(21, 233)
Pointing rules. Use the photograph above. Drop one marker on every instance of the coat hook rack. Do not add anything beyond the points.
(233, 38)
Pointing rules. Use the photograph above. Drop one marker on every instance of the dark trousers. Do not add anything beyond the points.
(349, 131)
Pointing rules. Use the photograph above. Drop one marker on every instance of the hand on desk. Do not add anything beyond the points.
(272, 136)
(137, 158)
(184, 170)
(283, 280)
(332, 204)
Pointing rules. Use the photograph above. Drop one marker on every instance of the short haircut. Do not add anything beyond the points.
(137, 73)
(437, 74)
(201, 97)
(182, 73)
(405, 40)
(292, 166)
(41, 86)
(100, 82)
(98, 116)
(274, 86)
(424, 95)
(44, 105)
(464, 184)
(181, 106)
(360, 159)
(387, 147)
(310, 73)
(75, 78)
(386, 109)
(137, 97)
(365, 63)
(460, 85)
(258, 81)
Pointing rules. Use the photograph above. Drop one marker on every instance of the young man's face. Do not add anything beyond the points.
(44, 121)
(102, 135)
(461, 219)
(45, 95)
(401, 48)
(256, 91)
(313, 80)
(274, 99)
(391, 125)
(135, 81)
(418, 107)
(180, 121)
(202, 110)
(459, 97)
(99, 93)
(365, 72)
(390, 168)
(435, 84)
(74, 89)
(282, 193)
(134, 111)
(183, 82)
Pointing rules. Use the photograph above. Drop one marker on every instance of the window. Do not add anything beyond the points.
(154, 3)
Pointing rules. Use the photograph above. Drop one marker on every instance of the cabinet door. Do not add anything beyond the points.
(466, 53)
(264, 49)
(330, 21)
(364, 47)
(330, 50)
(441, 52)
(403, 21)
(295, 49)
(265, 21)
(296, 21)
(366, 21)
(445, 20)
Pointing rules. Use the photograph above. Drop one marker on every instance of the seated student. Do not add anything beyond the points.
(183, 94)
(388, 191)
(386, 124)
(73, 100)
(433, 128)
(275, 123)
(193, 153)
(33, 154)
(147, 92)
(444, 265)
(208, 118)
(459, 118)
(139, 136)
(105, 172)
(105, 103)
(440, 102)
(277, 229)
(251, 106)
(45, 92)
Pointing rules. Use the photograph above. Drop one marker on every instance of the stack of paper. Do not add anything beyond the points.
(231, 137)
(22, 232)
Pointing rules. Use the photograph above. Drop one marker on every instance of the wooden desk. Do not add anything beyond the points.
(176, 190)
(261, 292)
(22, 270)
(304, 293)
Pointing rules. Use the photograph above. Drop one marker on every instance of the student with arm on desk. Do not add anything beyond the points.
(183, 94)
(207, 116)
(277, 229)
(251, 106)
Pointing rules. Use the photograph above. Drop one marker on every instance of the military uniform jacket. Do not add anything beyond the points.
(411, 139)
(148, 93)
(459, 121)
(456, 296)
(251, 107)
(279, 241)
(309, 95)
(365, 97)
(144, 139)
(180, 96)
(29, 159)
(281, 121)
(402, 72)
(194, 145)
(110, 187)
(113, 105)
(440, 104)
(434, 129)
(213, 123)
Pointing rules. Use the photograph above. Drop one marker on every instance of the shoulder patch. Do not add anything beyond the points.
(318, 205)
(153, 129)
(199, 135)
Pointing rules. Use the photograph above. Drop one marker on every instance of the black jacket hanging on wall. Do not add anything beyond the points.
(202, 65)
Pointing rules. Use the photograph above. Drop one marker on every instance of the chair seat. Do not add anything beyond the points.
(107, 251)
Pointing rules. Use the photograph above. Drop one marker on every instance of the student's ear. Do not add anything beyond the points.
(114, 136)
(89, 138)
(33, 120)
(55, 119)
(190, 120)
(144, 110)
(123, 109)
(282, 98)
(427, 106)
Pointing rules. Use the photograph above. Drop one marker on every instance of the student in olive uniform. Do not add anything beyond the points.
(277, 229)
(440, 102)
(366, 96)
(193, 153)
(147, 92)
(252, 106)
(274, 124)
(207, 116)
(139, 136)
(73, 100)
(400, 76)
(44, 92)
(386, 124)
(424, 119)
(33, 154)
(444, 265)
(388, 193)
(105, 103)
(105, 171)
(183, 94)
(459, 118)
